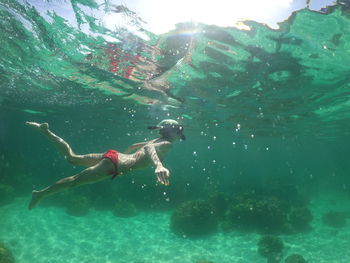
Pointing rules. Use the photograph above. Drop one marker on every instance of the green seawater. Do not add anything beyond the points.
(266, 114)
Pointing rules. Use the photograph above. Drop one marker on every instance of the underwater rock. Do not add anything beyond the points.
(249, 211)
(123, 208)
(335, 219)
(5, 255)
(300, 218)
(270, 247)
(288, 193)
(194, 218)
(267, 214)
(78, 207)
(7, 194)
(295, 258)
(220, 203)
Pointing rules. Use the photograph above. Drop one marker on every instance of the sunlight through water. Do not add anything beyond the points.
(161, 16)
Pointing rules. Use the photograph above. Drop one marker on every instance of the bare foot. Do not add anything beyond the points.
(42, 127)
(36, 197)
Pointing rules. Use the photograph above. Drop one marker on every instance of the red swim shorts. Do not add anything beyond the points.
(113, 156)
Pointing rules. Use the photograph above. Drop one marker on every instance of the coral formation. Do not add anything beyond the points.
(267, 214)
(251, 212)
(300, 218)
(270, 247)
(289, 193)
(123, 208)
(295, 258)
(335, 219)
(220, 203)
(194, 218)
(5, 255)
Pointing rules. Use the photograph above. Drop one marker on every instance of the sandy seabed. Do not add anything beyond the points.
(49, 235)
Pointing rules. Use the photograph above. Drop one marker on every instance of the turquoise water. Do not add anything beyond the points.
(266, 116)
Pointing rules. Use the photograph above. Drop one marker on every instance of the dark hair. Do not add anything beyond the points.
(164, 132)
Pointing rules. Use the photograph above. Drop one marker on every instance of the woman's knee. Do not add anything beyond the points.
(74, 181)
(74, 159)
(67, 182)
(84, 160)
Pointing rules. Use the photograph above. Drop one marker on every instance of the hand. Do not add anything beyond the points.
(162, 174)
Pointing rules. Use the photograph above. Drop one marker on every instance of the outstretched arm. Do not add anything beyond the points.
(161, 172)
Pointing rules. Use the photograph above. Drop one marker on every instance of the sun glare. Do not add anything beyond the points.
(161, 16)
(164, 14)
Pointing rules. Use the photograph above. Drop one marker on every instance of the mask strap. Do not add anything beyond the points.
(152, 127)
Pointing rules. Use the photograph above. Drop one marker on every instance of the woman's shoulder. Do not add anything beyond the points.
(158, 142)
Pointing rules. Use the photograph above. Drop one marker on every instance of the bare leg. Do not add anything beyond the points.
(64, 148)
(90, 175)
